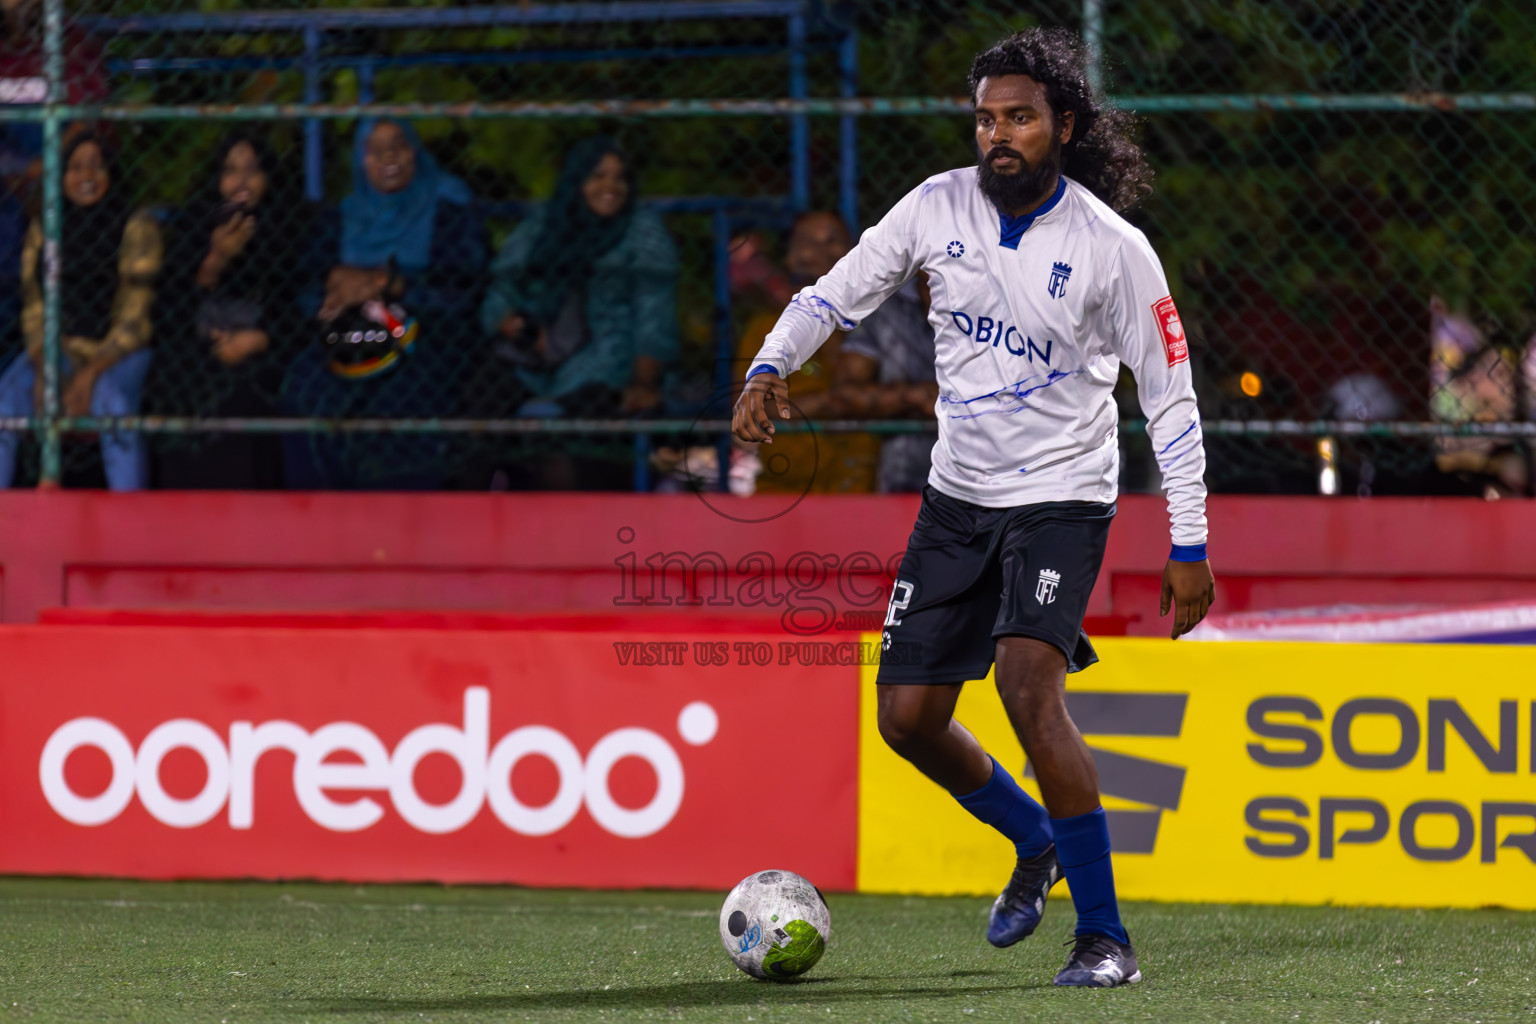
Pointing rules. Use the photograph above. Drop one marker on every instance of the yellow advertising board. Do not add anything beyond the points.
(1384, 774)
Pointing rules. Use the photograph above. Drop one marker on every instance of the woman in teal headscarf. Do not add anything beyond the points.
(392, 214)
(583, 295)
(409, 234)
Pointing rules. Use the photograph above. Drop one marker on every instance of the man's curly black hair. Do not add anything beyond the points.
(1101, 154)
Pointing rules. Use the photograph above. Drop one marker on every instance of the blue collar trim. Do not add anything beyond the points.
(1014, 227)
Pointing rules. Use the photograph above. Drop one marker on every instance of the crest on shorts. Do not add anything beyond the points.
(1059, 274)
(1045, 590)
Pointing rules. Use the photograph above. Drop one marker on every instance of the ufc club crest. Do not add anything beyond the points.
(1059, 274)
(1045, 590)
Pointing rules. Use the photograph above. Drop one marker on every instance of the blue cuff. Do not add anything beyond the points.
(762, 368)
(1187, 553)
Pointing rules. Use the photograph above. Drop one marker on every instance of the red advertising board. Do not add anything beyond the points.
(549, 758)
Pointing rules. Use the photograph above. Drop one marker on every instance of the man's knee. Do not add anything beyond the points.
(16, 388)
(118, 388)
(908, 727)
(1031, 677)
(109, 398)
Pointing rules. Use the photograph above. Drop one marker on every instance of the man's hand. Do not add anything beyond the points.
(1188, 588)
(819, 404)
(921, 398)
(765, 396)
(347, 287)
(232, 347)
(76, 398)
(639, 398)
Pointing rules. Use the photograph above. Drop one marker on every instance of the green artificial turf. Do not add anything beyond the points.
(238, 952)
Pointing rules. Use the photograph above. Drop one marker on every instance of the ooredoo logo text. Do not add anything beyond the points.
(230, 761)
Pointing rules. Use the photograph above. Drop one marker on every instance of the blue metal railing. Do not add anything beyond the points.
(315, 64)
(726, 212)
(489, 16)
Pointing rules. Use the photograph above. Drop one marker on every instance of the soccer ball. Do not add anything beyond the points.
(775, 924)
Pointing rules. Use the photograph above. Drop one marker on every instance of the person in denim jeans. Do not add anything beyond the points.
(109, 256)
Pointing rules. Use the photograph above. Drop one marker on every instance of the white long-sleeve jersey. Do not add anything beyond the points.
(1032, 318)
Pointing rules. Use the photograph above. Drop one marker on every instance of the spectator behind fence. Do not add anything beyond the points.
(797, 463)
(755, 280)
(402, 267)
(1472, 381)
(230, 320)
(887, 372)
(109, 255)
(23, 80)
(583, 295)
(581, 314)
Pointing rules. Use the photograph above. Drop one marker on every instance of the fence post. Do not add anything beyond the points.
(365, 74)
(314, 178)
(799, 124)
(53, 68)
(642, 477)
(725, 352)
(848, 133)
(1093, 43)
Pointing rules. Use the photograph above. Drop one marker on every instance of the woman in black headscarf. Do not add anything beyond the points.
(109, 255)
(235, 320)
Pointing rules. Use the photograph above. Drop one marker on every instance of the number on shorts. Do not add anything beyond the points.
(898, 604)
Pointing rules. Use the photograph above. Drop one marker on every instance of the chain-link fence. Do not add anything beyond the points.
(545, 236)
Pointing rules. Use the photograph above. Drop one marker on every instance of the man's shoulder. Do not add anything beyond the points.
(955, 177)
(1109, 229)
(940, 195)
(952, 184)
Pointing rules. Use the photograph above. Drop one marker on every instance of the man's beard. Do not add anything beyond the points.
(1025, 187)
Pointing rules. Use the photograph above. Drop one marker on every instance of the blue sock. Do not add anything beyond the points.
(1007, 808)
(1082, 847)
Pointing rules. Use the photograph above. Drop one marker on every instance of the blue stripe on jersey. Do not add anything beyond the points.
(1176, 440)
(1014, 227)
(763, 368)
(1165, 466)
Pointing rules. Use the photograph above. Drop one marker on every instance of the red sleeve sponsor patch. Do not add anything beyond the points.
(1175, 345)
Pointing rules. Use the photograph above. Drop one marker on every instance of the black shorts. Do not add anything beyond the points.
(973, 574)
